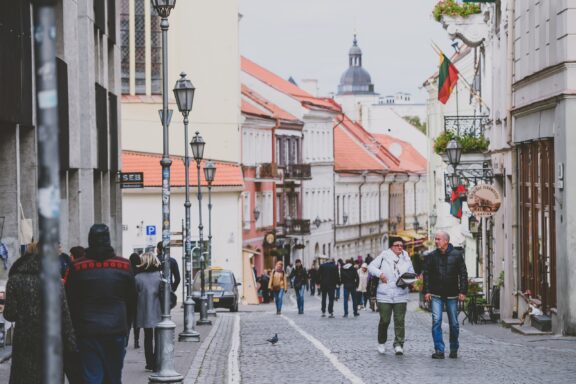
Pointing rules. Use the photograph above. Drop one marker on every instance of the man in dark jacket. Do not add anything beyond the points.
(174, 272)
(349, 278)
(445, 283)
(328, 277)
(312, 278)
(101, 294)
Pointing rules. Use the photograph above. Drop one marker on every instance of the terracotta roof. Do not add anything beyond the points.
(227, 173)
(350, 155)
(286, 87)
(251, 109)
(271, 108)
(410, 159)
(369, 143)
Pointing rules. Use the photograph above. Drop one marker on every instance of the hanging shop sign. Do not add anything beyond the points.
(484, 200)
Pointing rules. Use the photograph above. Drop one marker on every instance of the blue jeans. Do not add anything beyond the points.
(337, 292)
(300, 298)
(102, 358)
(452, 310)
(350, 292)
(278, 297)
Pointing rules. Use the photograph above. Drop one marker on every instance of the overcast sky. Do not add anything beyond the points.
(311, 38)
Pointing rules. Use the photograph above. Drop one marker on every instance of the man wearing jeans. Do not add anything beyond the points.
(445, 283)
(299, 276)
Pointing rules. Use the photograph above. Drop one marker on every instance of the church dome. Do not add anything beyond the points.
(355, 80)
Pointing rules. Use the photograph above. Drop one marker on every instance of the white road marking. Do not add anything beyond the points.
(234, 356)
(331, 357)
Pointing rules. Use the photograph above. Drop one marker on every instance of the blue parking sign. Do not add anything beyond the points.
(150, 230)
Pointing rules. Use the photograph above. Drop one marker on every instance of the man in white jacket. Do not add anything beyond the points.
(389, 266)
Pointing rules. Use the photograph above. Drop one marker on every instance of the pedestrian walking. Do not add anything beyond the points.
(391, 299)
(328, 278)
(134, 262)
(278, 285)
(148, 310)
(174, 272)
(339, 264)
(22, 306)
(300, 278)
(102, 294)
(362, 292)
(264, 282)
(349, 279)
(312, 278)
(77, 252)
(65, 261)
(445, 283)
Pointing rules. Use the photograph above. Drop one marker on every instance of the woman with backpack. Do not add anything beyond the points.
(278, 285)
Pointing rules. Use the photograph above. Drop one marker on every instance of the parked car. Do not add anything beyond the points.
(222, 284)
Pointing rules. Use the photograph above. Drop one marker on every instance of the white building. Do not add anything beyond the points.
(212, 64)
(316, 187)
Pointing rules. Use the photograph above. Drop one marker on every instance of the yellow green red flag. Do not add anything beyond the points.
(447, 79)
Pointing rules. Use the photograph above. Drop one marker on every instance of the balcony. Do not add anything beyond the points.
(297, 172)
(474, 126)
(295, 227)
(267, 171)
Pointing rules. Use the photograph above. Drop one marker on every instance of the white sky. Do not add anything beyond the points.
(311, 38)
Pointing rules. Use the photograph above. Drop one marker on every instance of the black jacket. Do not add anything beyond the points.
(445, 275)
(328, 276)
(300, 276)
(349, 276)
(101, 294)
(174, 272)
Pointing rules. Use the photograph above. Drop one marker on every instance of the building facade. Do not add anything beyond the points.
(88, 62)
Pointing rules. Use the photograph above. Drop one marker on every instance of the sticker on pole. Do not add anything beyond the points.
(484, 200)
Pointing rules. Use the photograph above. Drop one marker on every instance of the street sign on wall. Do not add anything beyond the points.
(132, 180)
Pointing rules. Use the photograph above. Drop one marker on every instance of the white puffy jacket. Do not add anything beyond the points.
(385, 263)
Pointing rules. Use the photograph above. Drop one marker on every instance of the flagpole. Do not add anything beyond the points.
(461, 77)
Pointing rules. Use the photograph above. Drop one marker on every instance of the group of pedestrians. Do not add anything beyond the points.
(445, 284)
(102, 297)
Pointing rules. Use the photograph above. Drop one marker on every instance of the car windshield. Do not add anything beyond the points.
(217, 279)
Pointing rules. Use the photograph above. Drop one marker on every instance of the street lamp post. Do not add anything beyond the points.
(166, 328)
(198, 145)
(184, 94)
(209, 173)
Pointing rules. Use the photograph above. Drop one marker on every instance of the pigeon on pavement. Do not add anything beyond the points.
(273, 340)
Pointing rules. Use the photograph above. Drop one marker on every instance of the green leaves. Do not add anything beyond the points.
(469, 143)
(453, 8)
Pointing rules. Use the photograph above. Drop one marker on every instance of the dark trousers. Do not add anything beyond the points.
(72, 367)
(102, 357)
(149, 348)
(350, 292)
(136, 332)
(312, 288)
(330, 293)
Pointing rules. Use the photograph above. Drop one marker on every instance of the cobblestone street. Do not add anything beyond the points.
(323, 350)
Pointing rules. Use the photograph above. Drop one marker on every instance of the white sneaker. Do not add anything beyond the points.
(381, 349)
(398, 350)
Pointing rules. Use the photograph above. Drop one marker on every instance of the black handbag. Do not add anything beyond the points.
(407, 279)
(373, 282)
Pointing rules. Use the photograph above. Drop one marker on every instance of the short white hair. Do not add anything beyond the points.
(445, 234)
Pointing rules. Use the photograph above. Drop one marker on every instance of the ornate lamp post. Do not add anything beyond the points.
(198, 145)
(184, 94)
(166, 328)
(209, 173)
(454, 152)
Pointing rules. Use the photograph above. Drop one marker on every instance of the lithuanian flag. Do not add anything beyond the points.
(447, 79)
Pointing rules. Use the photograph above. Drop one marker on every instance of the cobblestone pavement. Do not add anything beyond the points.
(351, 343)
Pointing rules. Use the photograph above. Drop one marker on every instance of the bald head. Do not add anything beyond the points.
(442, 239)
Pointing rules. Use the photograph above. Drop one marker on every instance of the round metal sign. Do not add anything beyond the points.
(484, 200)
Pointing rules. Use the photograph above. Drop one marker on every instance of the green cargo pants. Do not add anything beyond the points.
(385, 310)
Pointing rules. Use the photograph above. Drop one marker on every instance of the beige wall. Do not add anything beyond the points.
(203, 42)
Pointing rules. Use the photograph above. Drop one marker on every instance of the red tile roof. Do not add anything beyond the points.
(272, 109)
(366, 142)
(251, 109)
(410, 159)
(350, 155)
(286, 87)
(227, 173)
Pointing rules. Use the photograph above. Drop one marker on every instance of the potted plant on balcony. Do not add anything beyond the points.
(473, 146)
(462, 20)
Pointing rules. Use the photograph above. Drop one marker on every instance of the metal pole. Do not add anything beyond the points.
(48, 187)
(203, 299)
(189, 333)
(210, 227)
(166, 328)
